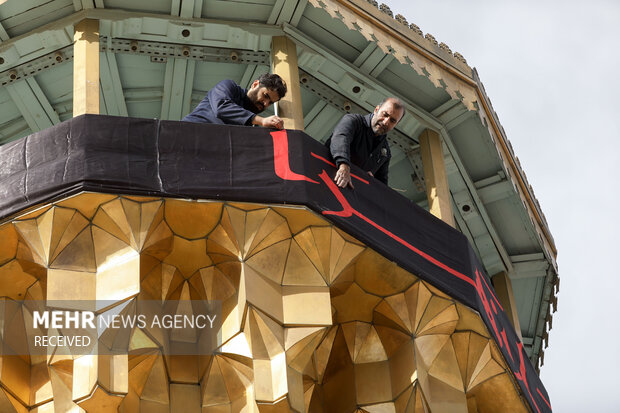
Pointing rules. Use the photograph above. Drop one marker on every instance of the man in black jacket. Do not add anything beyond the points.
(228, 103)
(362, 140)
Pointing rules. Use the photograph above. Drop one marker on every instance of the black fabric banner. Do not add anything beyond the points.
(236, 163)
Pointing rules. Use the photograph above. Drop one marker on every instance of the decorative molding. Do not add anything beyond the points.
(429, 60)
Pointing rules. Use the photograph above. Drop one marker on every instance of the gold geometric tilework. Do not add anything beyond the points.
(134, 219)
(86, 203)
(100, 401)
(354, 304)
(14, 281)
(188, 256)
(8, 243)
(312, 320)
(192, 220)
(498, 395)
(379, 276)
(34, 212)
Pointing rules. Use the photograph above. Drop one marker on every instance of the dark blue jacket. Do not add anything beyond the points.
(227, 103)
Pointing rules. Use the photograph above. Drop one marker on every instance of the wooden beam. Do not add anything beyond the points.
(284, 63)
(4, 36)
(33, 104)
(435, 176)
(323, 121)
(13, 129)
(178, 85)
(340, 65)
(83, 4)
(175, 7)
(460, 175)
(503, 288)
(249, 75)
(373, 60)
(452, 113)
(191, 8)
(275, 12)
(299, 11)
(365, 54)
(188, 88)
(496, 191)
(111, 88)
(312, 114)
(86, 67)
(287, 12)
(147, 94)
(530, 269)
(186, 8)
(382, 65)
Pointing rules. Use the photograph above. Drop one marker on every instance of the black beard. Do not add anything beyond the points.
(251, 106)
(378, 130)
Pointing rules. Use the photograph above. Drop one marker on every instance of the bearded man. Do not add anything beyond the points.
(230, 104)
(362, 141)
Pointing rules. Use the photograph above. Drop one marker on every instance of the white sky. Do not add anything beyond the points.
(551, 69)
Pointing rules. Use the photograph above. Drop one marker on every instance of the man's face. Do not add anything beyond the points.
(385, 117)
(261, 97)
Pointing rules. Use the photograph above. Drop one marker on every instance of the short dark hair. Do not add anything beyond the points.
(273, 82)
(397, 103)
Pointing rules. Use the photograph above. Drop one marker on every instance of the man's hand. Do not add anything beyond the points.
(273, 122)
(343, 176)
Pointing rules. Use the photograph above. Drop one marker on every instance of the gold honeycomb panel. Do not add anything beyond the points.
(313, 320)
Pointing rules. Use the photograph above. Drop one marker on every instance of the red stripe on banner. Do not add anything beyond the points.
(521, 375)
(486, 304)
(334, 165)
(506, 342)
(323, 159)
(543, 397)
(281, 161)
(348, 210)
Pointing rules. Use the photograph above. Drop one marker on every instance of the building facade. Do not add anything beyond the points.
(377, 308)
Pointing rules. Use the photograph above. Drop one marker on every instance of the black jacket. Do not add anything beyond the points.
(227, 103)
(353, 142)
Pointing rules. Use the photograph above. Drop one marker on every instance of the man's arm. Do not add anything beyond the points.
(343, 176)
(225, 99)
(268, 122)
(340, 148)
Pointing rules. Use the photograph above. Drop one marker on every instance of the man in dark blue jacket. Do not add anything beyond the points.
(362, 141)
(228, 103)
